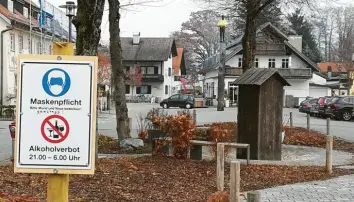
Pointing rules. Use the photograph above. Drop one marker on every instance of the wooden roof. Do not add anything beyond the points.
(257, 76)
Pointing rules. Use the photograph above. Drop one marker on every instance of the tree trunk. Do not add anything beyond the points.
(118, 72)
(88, 28)
(249, 41)
(88, 21)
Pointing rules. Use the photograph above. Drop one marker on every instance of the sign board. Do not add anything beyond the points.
(56, 114)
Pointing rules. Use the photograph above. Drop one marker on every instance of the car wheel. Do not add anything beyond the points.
(165, 106)
(188, 106)
(347, 116)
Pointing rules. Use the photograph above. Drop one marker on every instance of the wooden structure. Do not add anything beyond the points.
(260, 112)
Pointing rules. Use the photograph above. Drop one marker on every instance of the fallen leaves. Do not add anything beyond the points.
(154, 179)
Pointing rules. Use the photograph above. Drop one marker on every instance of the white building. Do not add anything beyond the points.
(16, 20)
(274, 50)
(153, 57)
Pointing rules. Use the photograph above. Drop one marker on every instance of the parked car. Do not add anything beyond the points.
(178, 100)
(323, 104)
(306, 106)
(341, 108)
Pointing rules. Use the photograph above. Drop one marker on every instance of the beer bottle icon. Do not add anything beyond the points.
(55, 135)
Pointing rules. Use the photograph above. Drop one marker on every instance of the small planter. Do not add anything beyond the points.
(227, 103)
(196, 152)
(161, 147)
(154, 133)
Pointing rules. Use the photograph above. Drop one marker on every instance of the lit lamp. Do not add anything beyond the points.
(70, 12)
(222, 24)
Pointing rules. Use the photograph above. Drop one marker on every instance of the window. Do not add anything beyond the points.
(169, 71)
(127, 89)
(240, 62)
(20, 44)
(149, 70)
(271, 63)
(25, 12)
(144, 89)
(285, 63)
(174, 97)
(29, 46)
(39, 48)
(10, 6)
(256, 63)
(12, 42)
(166, 89)
(126, 69)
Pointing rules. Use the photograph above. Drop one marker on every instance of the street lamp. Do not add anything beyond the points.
(222, 24)
(70, 12)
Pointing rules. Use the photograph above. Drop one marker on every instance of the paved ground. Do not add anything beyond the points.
(340, 189)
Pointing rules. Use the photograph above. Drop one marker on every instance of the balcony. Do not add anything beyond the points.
(296, 73)
(233, 71)
(152, 78)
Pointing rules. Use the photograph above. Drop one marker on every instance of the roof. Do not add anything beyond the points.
(257, 76)
(323, 66)
(176, 61)
(16, 16)
(149, 49)
(302, 56)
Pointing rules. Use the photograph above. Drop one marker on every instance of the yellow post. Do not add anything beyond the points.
(58, 184)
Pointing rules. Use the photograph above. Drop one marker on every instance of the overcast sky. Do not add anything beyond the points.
(157, 20)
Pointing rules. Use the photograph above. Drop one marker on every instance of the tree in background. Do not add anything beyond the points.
(104, 70)
(303, 27)
(271, 13)
(199, 36)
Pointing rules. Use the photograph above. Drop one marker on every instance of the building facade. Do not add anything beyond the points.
(152, 59)
(274, 50)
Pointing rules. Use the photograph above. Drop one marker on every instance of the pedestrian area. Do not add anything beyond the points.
(337, 190)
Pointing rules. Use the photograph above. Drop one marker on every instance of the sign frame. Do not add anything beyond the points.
(67, 58)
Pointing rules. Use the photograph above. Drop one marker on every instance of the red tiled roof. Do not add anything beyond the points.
(176, 61)
(17, 16)
(323, 66)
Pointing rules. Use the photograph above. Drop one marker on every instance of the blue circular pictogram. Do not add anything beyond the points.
(56, 82)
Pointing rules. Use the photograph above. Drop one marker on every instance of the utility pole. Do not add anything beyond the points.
(222, 24)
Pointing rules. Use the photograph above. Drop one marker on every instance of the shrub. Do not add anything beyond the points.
(220, 196)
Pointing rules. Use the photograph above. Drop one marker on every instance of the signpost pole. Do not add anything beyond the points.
(58, 184)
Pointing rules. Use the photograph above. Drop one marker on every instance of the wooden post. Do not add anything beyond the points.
(195, 116)
(329, 146)
(308, 122)
(58, 184)
(254, 196)
(291, 119)
(220, 166)
(328, 126)
(235, 181)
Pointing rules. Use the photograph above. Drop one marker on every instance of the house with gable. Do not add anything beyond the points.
(274, 50)
(152, 58)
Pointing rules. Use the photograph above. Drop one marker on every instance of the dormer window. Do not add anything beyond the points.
(10, 6)
(25, 12)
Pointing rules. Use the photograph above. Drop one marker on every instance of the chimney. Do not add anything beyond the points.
(136, 38)
(296, 41)
(329, 71)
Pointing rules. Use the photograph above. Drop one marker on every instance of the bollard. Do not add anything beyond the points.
(308, 122)
(291, 119)
(254, 196)
(329, 146)
(220, 166)
(328, 126)
(235, 181)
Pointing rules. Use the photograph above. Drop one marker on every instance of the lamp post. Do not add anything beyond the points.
(70, 12)
(222, 24)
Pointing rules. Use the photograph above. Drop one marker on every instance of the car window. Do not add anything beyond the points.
(334, 100)
(183, 97)
(313, 101)
(174, 97)
(328, 100)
